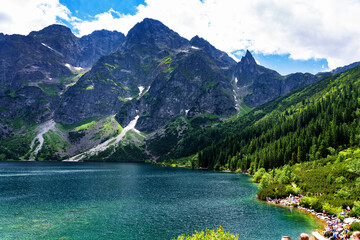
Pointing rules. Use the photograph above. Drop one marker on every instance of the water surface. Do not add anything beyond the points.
(40, 200)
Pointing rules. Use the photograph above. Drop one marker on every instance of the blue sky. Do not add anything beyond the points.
(87, 9)
(287, 36)
(286, 65)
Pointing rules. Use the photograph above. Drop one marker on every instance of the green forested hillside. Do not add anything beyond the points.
(306, 142)
(302, 126)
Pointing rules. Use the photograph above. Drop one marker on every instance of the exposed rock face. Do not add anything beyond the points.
(81, 52)
(194, 87)
(26, 66)
(34, 69)
(222, 58)
(151, 35)
(344, 68)
(176, 78)
(25, 60)
(260, 85)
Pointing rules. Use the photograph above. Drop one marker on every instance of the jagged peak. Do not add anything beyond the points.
(248, 58)
(197, 38)
(199, 41)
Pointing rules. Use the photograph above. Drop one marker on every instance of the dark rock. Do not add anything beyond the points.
(260, 85)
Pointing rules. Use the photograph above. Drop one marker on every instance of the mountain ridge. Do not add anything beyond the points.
(171, 85)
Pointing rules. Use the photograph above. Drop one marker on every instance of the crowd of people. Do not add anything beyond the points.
(304, 236)
(336, 228)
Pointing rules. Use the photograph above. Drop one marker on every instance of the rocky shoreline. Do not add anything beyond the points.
(335, 227)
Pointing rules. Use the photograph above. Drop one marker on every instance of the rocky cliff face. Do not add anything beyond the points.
(258, 85)
(36, 69)
(80, 52)
(157, 75)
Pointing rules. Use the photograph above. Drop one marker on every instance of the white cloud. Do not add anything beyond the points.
(24, 16)
(303, 28)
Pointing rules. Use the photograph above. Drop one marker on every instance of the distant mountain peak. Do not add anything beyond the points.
(248, 59)
(54, 29)
(148, 25)
(200, 42)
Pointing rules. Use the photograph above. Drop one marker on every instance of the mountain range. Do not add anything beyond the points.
(107, 96)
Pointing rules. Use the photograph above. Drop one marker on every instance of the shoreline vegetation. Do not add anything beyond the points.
(305, 143)
(327, 188)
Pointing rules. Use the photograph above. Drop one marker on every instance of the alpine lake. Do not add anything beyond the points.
(58, 200)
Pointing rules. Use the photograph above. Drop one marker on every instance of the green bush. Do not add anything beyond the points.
(311, 202)
(293, 189)
(352, 214)
(331, 209)
(357, 183)
(286, 175)
(343, 193)
(330, 178)
(354, 167)
(340, 158)
(356, 208)
(341, 217)
(305, 202)
(265, 181)
(355, 226)
(341, 180)
(273, 191)
(219, 234)
(259, 174)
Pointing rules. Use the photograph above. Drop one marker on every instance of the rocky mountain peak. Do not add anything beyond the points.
(153, 33)
(53, 30)
(217, 54)
(104, 33)
(248, 59)
(199, 42)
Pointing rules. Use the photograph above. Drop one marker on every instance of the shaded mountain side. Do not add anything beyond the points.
(190, 86)
(156, 75)
(79, 52)
(344, 68)
(221, 57)
(25, 60)
(35, 70)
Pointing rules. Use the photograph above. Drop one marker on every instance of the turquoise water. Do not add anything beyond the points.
(134, 201)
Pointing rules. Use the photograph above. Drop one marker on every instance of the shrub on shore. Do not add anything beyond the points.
(218, 234)
(331, 185)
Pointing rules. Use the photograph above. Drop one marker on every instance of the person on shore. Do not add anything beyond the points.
(355, 236)
(285, 238)
(304, 236)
